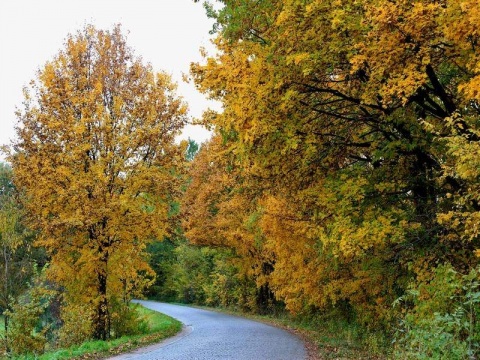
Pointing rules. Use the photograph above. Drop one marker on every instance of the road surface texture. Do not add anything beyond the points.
(208, 335)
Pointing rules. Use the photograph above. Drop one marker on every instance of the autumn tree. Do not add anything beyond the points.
(221, 208)
(360, 122)
(96, 162)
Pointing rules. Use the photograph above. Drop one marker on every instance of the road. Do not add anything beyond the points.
(209, 335)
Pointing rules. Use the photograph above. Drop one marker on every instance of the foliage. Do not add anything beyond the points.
(161, 260)
(192, 150)
(125, 320)
(221, 209)
(442, 317)
(191, 270)
(200, 275)
(76, 324)
(349, 137)
(344, 168)
(28, 333)
(97, 164)
(18, 258)
(159, 327)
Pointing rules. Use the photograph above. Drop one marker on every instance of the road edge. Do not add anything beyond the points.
(186, 330)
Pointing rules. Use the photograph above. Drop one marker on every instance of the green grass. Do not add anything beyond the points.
(337, 339)
(160, 327)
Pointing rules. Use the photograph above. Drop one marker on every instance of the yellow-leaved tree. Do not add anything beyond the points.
(221, 209)
(360, 121)
(96, 160)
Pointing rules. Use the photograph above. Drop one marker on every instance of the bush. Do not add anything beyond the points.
(442, 317)
(125, 320)
(27, 331)
(77, 324)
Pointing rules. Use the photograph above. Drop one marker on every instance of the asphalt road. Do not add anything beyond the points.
(209, 335)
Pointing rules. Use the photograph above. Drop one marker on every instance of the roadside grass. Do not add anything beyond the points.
(330, 338)
(327, 337)
(160, 327)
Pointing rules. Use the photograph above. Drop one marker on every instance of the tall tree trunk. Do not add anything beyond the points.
(102, 321)
(425, 196)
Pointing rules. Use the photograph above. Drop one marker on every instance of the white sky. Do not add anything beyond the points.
(166, 33)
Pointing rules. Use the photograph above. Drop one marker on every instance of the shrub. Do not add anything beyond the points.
(27, 331)
(77, 324)
(442, 317)
(125, 320)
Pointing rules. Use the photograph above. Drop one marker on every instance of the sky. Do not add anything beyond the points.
(166, 33)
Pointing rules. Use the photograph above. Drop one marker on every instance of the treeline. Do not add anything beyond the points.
(343, 173)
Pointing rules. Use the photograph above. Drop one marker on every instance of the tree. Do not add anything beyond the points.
(360, 120)
(221, 208)
(16, 257)
(96, 162)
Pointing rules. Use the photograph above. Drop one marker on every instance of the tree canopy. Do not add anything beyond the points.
(97, 164)
(357, 122)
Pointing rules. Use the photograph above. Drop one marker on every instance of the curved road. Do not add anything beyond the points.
(209, 335)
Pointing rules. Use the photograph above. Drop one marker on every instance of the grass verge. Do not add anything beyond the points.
(160, 327)
(335, 339)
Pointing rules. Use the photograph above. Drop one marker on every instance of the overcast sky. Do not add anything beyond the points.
(166, 33)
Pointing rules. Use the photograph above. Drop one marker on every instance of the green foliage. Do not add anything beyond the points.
(192, 149)
(222, 285)
(442, 319)
(161, 260)
(126, 320)
(159, 327)
(18, 257)
(191, 271)
(341, 338)
(200, 275)
(28, 333)
(6, 184)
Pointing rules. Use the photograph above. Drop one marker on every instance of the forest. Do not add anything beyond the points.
(341, 181)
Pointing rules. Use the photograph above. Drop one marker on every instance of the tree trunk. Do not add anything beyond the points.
(102, 321)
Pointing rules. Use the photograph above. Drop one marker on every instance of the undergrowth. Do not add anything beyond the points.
(159, 327)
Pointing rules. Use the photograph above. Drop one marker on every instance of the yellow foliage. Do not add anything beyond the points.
(96, 160)
(77, 324)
